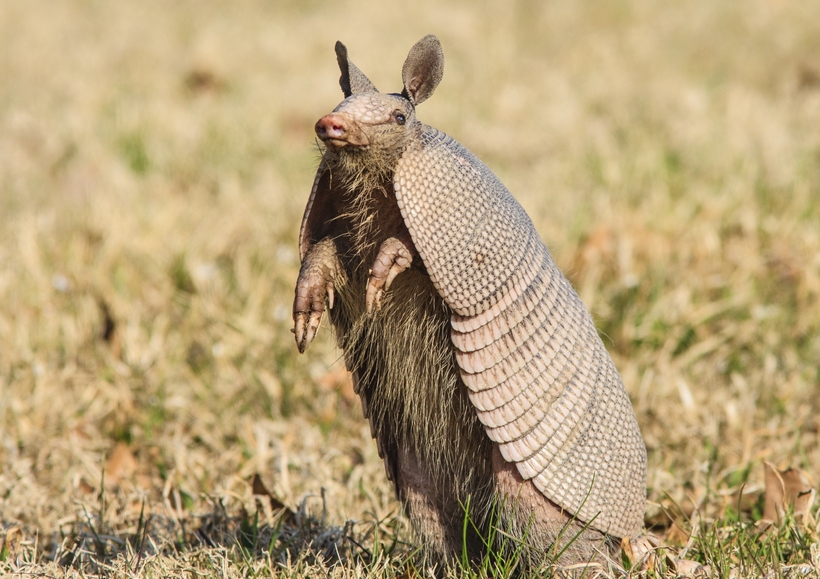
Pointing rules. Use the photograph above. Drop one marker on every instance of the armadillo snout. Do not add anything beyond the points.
(338, 130)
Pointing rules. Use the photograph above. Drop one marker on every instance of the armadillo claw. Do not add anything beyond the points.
(306, 330)
(308, 307)
(314, 286)
(393, 258)
(373, 298)
(305, 326)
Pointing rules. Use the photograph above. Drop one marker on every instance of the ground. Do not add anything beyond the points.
(155, 160)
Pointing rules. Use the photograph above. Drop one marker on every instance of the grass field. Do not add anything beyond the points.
(155, 159)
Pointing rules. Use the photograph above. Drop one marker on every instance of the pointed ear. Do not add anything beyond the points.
(423, 69)
(352, 80)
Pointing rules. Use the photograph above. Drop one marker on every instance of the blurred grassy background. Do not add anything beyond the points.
(155, 160)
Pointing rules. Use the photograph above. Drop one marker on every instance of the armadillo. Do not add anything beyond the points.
(489, 393)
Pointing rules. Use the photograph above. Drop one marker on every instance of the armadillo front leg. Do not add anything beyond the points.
(320, 268)
(395, 255)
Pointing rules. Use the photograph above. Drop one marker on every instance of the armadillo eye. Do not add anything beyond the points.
(399, 118)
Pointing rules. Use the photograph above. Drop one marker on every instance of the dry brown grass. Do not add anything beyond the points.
(154, 163)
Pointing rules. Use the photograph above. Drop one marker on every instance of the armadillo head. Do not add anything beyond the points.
(376, 127)
(365, 120)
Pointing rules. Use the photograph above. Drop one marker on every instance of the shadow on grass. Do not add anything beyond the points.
(266, 539)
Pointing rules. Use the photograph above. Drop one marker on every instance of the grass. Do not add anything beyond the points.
(154, 163)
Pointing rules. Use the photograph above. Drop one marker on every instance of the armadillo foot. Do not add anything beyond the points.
(315, 283)
(395, 255)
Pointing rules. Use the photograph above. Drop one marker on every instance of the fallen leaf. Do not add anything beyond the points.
(202, 80)
(259, 490)
(688, 568)
(786, 490)
(641, 551)
(676, 535)
(85, 487)
(121, 464)
(11, 541)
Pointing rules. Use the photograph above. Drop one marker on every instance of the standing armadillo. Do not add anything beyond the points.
(488, 390)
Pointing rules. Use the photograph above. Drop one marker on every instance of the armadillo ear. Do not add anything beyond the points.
(352, 80)
(423, 69)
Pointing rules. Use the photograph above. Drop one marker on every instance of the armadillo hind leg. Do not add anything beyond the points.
(438, 513)
(553, 535)
(315, 284)
(395, 255)
(420, 498)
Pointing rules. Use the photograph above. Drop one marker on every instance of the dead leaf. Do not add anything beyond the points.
(786, 490)
(85, 487)
(808, 77)
(203, 80)
(688, 568)
(121, 464)
(11, 541)
(676, 535)
(259, 490)
(803, 504)
(641, 551)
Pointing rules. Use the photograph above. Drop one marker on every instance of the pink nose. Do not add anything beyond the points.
(331, 126)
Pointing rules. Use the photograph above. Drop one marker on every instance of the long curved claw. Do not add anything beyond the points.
(373, 297)
(314, 286)
(309, 304)
(305, 326)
